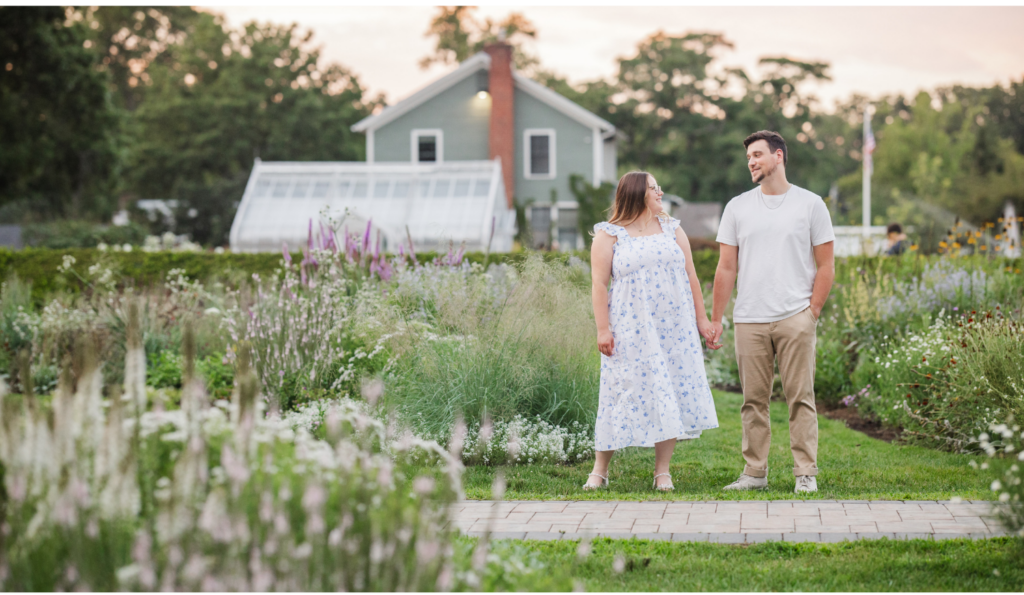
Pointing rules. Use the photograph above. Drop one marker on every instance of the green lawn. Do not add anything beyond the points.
(853, 466)
(917, 565)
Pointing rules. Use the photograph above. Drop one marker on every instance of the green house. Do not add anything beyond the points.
(484, 110)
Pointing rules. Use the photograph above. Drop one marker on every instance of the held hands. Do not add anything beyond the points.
(605, 342)
(712, 333)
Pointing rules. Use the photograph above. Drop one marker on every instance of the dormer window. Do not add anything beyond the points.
(427, 146)
(539, 153)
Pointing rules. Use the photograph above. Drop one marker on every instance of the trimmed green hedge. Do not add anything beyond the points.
(143, 269)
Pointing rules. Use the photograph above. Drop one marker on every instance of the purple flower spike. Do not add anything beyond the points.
(287, 256)
(366, 236)
(309, 240)
(376, 250)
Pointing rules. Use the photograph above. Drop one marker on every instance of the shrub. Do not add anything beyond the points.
(117, 497)
(951, 382)
(140, 269)
(81, 234)
(527, 441)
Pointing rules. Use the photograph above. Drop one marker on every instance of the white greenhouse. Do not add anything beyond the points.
(459, 202)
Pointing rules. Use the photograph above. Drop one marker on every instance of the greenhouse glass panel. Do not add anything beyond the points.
(281, 188)
(436, 205)
(321, 189)
(262, 187)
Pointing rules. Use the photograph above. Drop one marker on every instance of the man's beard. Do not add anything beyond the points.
(766, 173)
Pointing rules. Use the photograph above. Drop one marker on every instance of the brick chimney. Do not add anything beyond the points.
(502, 141)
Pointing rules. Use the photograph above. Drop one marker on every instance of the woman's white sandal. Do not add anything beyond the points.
(587, 486)
(663, 488)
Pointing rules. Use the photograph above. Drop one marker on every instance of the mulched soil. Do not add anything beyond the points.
(851, 416)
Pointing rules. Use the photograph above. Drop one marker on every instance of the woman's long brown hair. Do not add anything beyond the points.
(630, 197)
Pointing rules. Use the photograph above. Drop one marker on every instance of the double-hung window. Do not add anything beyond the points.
(427, 146)
(539, 153)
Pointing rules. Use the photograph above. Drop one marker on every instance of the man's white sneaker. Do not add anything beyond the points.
(746, 482)
(806, 483)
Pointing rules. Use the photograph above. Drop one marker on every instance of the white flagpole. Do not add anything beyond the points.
(866, 207)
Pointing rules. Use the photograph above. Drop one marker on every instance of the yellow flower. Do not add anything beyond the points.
(913, 247)
(943, 244)
(983, 248)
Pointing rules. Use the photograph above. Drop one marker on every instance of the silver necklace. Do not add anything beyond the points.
(765, 202)
(644, 228)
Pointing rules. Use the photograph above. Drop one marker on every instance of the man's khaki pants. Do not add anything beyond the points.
(758, 345)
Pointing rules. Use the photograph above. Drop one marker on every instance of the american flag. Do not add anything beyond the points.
(869, 143)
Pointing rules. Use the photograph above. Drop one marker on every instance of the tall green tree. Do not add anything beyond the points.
(459, 34)
(59, 128)
(940, 156)
(202, 121)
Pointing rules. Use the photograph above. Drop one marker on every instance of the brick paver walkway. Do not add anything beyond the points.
(744, 521)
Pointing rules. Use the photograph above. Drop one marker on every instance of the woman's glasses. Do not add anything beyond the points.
(655, 188)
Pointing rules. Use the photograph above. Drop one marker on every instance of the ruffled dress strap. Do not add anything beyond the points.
(670, 226)
(613, 230)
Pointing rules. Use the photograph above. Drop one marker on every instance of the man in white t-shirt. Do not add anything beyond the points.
(780, 238)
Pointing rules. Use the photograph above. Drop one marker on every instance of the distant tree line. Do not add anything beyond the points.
(100, 107)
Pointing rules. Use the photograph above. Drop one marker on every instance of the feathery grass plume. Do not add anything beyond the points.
(60, 418)
(25, 370)
(188, 352)
(7, 432)
(135, 361)
(116, 474)
(244, 399)
(88, 396)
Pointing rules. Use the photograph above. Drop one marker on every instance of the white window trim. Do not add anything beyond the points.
(552, 161)
(414, 143)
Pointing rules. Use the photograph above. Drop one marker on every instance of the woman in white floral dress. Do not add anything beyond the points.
(649, 323)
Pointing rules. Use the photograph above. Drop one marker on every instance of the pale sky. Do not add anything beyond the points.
(871, 50)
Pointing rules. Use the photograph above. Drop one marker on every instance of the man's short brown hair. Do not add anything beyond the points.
(774, 140)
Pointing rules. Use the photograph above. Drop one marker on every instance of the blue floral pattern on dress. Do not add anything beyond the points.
(653, 387)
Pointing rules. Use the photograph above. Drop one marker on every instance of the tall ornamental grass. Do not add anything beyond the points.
(119, 493)
(495, 346)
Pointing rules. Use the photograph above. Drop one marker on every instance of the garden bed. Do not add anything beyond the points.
(853, 420)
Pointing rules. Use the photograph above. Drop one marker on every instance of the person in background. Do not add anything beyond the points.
(896, 240)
